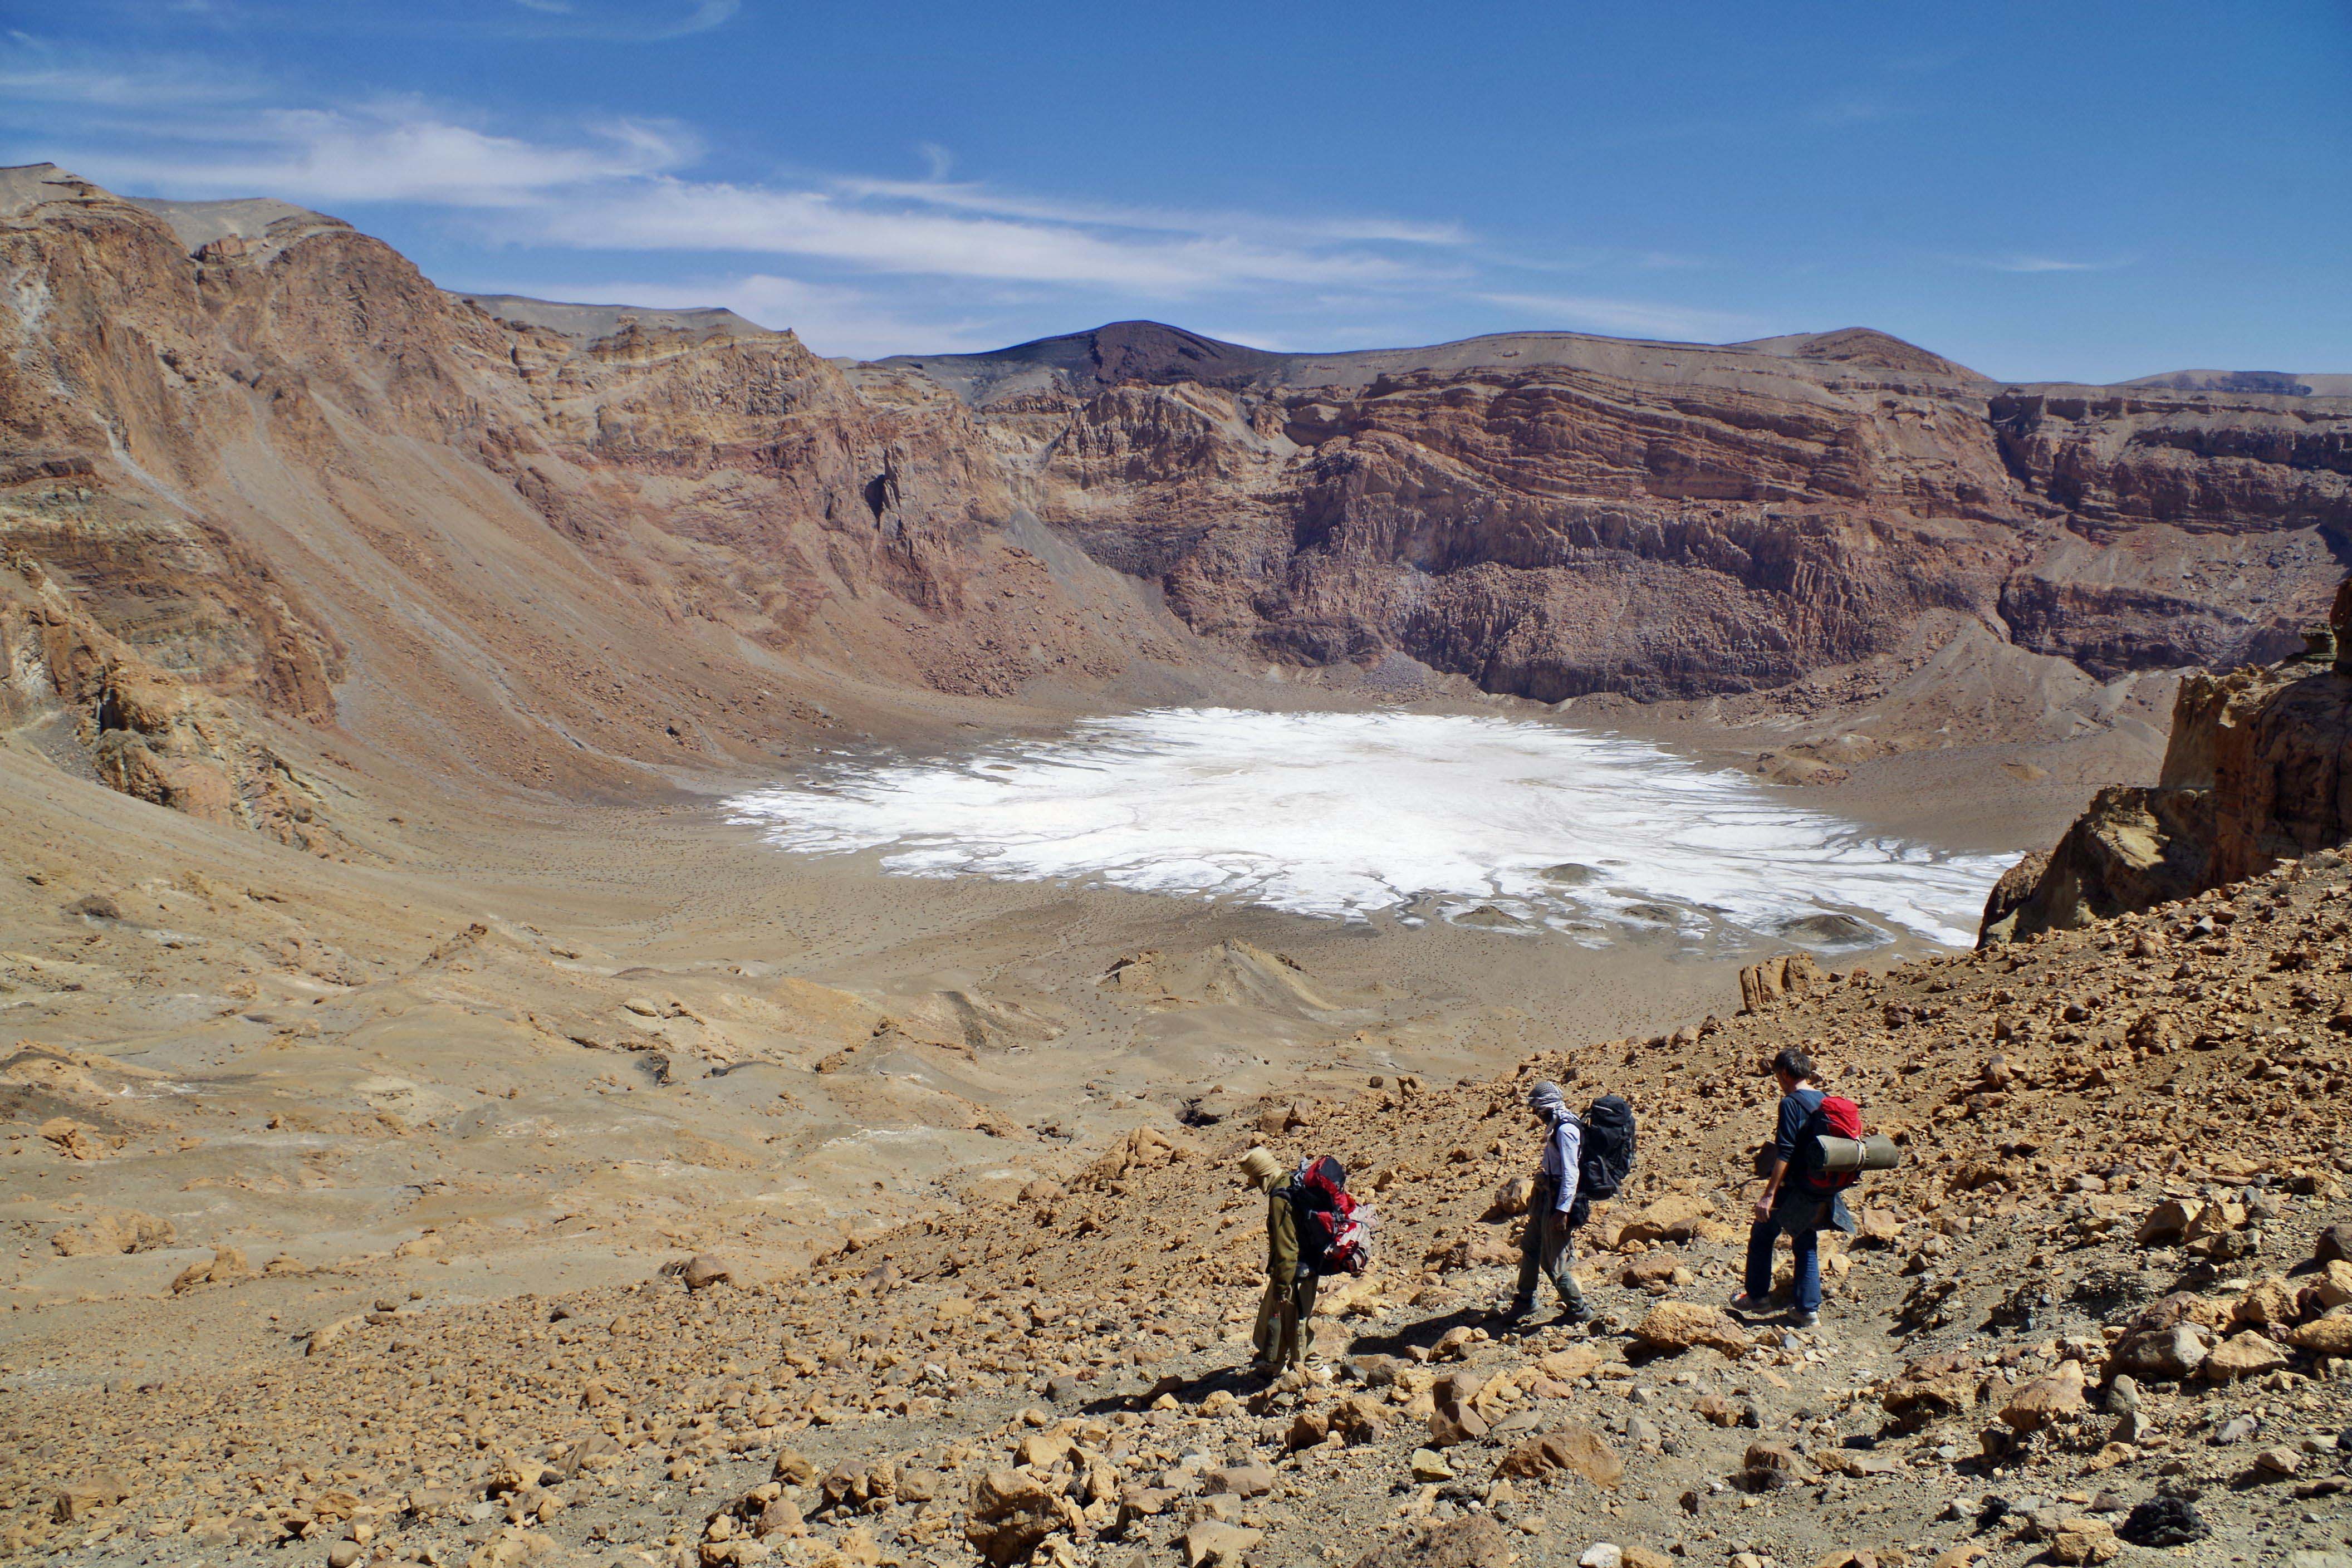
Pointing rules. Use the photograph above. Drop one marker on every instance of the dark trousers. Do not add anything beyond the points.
(1802, 1221)
(1548, 1249)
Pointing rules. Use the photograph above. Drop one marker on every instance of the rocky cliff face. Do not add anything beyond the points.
(564, 547)
(2258, 772)
(1552, 515)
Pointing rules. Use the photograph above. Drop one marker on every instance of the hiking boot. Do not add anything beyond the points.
(1573, 1316)
(1803, 1320)
(1744, 1302)
(1519, 1308)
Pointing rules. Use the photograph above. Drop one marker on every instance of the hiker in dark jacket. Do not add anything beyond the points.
(1787, 1204)
(1285, 1335)
(1546, 1248)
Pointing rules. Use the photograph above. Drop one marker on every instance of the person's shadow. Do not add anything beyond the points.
(1424, 1334)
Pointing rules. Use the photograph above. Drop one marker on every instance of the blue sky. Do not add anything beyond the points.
(2085, 191)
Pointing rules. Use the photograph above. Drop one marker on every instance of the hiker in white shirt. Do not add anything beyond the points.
(1545, 1248)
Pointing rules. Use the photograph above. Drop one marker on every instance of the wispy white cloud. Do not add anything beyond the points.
(33, 72)
(626, 21)
(990, 257)
(1635, 317)
(1592, 258)
(981, 198)
(874, 225)
(2030, 263)
(622, 188)
(391, 152)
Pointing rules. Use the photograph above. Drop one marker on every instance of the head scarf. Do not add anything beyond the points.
(1546, 1101)
(1262, 1166)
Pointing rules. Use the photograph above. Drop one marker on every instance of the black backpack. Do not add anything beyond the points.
(1607, 1153)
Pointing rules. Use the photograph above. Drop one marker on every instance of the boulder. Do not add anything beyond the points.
(2269, 1301)
(1941, 1385)
(2162, 1355)
(1451, 1420)
(702, 1271)
(1574, 1447)
(1677, 1216)
(1568, 1366)
(2334, 1243)
(1213, 1543)
(1795, 974)
(2168, 1221)
(227, 1266)
(1878, 1227)
(2331, 1289)
(1429, 1465)
(80, 1499)
(1656, 1272)
(2046, 1399)
(1673, 1327)
(2164, 1520)
(1011, 1514)
(1473, 1541)
(1778, 1458)
(2327, 1336)
(1512, 1197)
(2248, 1354)
(114, 1231)
(2084, 1540)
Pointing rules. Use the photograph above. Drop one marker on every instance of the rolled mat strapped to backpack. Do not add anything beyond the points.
(1875, 1152)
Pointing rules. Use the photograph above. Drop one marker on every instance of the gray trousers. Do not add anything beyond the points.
(1546, 1248)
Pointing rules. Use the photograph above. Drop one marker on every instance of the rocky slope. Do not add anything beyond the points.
(2101, 1309)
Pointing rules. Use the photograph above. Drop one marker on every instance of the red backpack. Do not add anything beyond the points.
(1335, 1231)
(1835, 1117)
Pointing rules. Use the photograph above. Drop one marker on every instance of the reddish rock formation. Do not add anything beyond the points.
(1552, 514)
(2258, 770)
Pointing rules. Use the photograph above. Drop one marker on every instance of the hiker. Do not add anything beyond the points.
(1555, 1209)
(1789, 1202)
(1285, 1334)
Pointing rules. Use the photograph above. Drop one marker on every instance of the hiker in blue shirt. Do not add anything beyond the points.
(1787, 1204)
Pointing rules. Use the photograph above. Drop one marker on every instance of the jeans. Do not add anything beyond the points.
(1546, 1248)
(1800, 1215)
